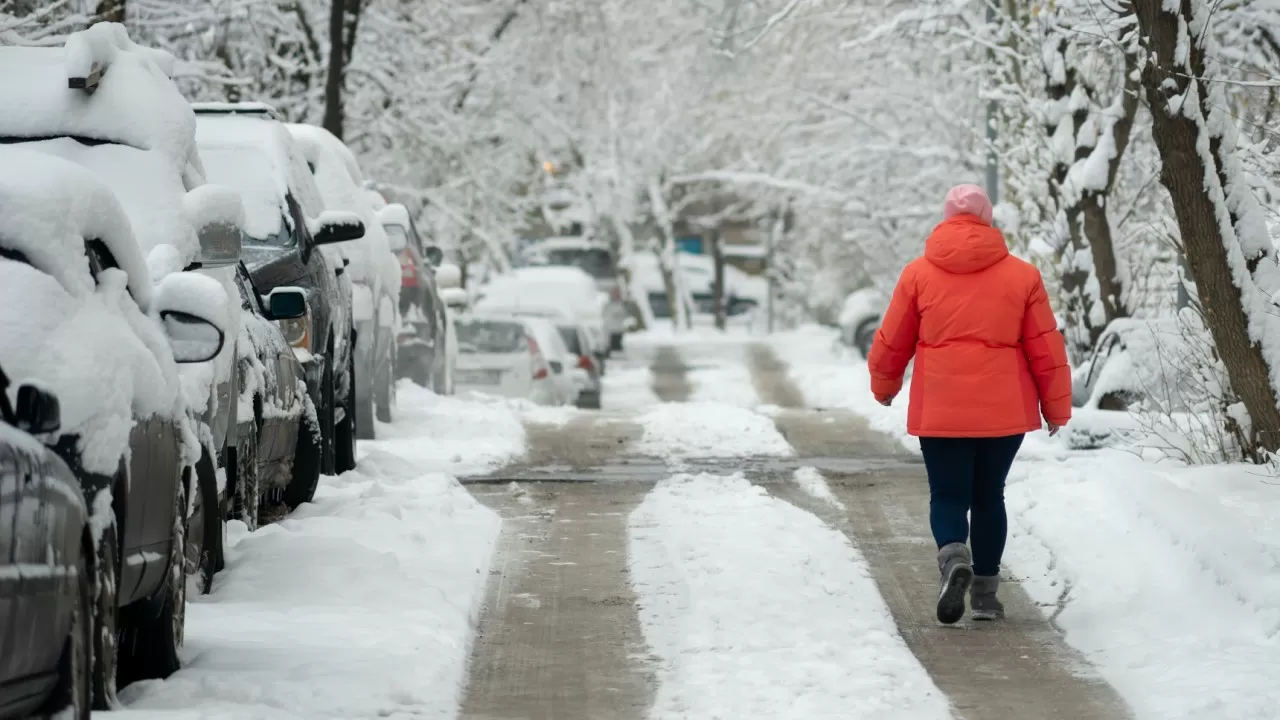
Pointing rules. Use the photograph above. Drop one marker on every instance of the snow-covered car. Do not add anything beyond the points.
(498, 354)
(423, 354)
(46, 588)
(584, 373)
(245, 147)
(860, 318)
(109, 105)
(565, 292)
(743, 293)
(1139, 361)
(547, 336)
(596, 259)
(279, 433)
(80, 317)
(374, 272)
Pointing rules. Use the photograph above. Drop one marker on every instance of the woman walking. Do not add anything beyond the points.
(989, 362)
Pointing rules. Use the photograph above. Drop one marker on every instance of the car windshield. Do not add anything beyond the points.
(490, 336)
(251, 172)
(597, 262)
(396, 237)
(570, 335)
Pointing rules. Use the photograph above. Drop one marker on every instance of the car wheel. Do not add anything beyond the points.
(306, 464)
(615, 342)
(73, 695)
(248, 487)
(204, 541)
(386, 395)
(105, 617)
(346, 432)
(153, 628)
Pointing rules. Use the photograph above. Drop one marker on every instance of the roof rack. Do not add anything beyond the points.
(236, 108)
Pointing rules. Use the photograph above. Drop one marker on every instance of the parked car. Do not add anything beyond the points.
(1137, 362)
(498, 354)
(280, 441)
(46, 587)
(860, 318)
(423, 354)
(108, 105)
(559, 358)
(596, 259)
(374, 271)
(82, 320)
(565, 292)
(245, 147)
(584, 373)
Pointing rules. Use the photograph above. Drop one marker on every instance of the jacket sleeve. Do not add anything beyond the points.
(1047, 356)
(895, 341)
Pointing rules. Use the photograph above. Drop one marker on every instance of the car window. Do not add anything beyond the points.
(1105, 350)
(570, 335)
(490, 336)
(249, 299)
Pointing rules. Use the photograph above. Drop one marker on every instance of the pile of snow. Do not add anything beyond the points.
(108, 362)
(815, 485)
(361, 604)
(1172, 590)
(707, 430)
(454, 434)
(781, 621)
(627, 388)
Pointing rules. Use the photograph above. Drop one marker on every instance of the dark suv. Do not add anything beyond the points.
(422, 346)
(247, 147)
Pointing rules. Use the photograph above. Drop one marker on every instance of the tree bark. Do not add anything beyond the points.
(717, 288)
(337, 66)
(1190, 179)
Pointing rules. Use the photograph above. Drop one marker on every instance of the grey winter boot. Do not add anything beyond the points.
(956, 565)
(983, 602)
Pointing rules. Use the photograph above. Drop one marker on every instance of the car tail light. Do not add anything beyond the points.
(540, 370)
(584, 362)
(540, 373)
(408, 269)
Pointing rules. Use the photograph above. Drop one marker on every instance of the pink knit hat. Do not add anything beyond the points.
(969, 199)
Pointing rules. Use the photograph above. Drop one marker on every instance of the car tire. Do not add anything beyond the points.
(589, 401)
(248, 488)
(204, 535)
(153, 628)
(325, 415)
(346, 432)
(106, 617)
(615, 342)
(306, 464)
(72, 697)
(385, 397)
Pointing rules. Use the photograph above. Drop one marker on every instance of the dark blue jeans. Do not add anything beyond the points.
(966, 480)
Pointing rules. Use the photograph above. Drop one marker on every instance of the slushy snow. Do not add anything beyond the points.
(756, 609)
(677, 431)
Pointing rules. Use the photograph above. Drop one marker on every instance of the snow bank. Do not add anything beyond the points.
(702, 430)
(627, 388)
(361, 604)
(1167, 578)
(812, 482)
(457, 435)
(783, 621)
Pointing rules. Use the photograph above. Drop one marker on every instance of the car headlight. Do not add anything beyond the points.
(297, 331)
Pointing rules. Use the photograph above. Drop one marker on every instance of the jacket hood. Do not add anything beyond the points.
(965, 244)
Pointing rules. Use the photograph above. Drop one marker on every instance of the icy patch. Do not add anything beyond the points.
(781, 621)
(703, 430)
(361, 604)
(452, 434)
(812, 482)
(1172, 593)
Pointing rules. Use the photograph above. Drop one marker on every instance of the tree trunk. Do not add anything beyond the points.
(111, 11)
(717, 288)
(338, 55)
(1206, 220)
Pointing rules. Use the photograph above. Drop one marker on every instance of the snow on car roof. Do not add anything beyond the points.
(394, 214)
(339, 178)
(49, 208)
(258, 157)
(135, 104)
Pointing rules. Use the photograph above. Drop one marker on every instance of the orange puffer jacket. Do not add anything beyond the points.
(988, 353)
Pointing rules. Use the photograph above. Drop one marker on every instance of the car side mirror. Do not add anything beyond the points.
(448, 276)
(287, 303)
(194, 312)
(454, 297)
(335, 226)
(193, 339)
(217, 214)
(434, 255)
(37, 411)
